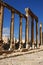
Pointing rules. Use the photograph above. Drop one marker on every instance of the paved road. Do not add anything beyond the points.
(28, 59)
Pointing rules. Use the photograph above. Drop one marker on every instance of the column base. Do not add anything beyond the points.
(12, 46)
(38, 46)
(33, 47)
(20, 46)
(1, 45)
(27, 45)
(30, 48)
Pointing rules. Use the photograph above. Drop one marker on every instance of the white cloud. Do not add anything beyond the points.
(6, 31)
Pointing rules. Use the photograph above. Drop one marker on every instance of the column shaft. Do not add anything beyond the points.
(20, 33)
(1, 24)
(1, 20)
(36, 33)
(27, 33)
(40, 35)
(12, 31)
(27, 28)
(32, 32)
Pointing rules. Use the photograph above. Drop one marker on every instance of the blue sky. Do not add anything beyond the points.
(35, 5)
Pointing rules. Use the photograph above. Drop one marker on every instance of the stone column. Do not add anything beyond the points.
(12, 31)
(27, 29)
(32, 33)
(40, 34)
(42, 38)
(36, 33)
(20, 33)
(1, 23)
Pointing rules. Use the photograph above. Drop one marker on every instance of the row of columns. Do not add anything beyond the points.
(32, 30)
(32, 33)
(27, 32)
(20, 29)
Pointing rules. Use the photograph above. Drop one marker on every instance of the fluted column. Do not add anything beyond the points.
(32, 33)
(36, 33)
(12, 31)
(27, 29)
(20, 33)
(40, 34)
(1, 22)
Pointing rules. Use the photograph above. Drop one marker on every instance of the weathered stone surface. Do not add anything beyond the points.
(1, 24)
(27, 28)
(32, 32)
(28, 59)
(37, 45)
(20, 33)
(12, 31)
(40, 34)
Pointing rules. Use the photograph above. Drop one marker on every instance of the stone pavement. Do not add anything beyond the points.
(33, 57)
(16, 53)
